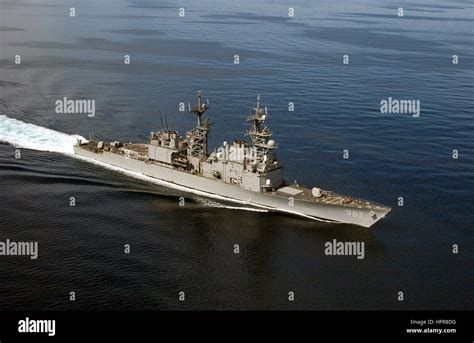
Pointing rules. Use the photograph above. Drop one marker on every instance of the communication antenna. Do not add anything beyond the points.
(200, 108)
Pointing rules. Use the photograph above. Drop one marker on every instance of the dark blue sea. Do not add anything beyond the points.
(427, 160)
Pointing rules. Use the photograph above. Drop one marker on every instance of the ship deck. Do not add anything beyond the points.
(140, 150)
(327, 197)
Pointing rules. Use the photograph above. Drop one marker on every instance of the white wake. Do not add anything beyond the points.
(34, 137)
(210, 203)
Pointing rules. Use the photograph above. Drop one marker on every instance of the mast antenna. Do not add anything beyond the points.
(200, 108)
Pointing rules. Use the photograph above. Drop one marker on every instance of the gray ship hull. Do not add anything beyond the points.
(195, 183)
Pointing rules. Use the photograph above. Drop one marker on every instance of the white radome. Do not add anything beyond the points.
(316, 192)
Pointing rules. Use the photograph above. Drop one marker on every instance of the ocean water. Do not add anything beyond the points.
(190, 248)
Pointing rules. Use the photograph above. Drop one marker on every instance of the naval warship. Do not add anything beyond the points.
(241, 172)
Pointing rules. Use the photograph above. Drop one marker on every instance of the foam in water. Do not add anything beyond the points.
(210, 203)
(30, 136)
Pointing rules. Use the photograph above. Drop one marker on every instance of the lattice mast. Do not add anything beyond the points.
(263, 145)
(198, 137)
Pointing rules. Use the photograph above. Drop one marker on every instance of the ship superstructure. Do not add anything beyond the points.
(239, 172)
